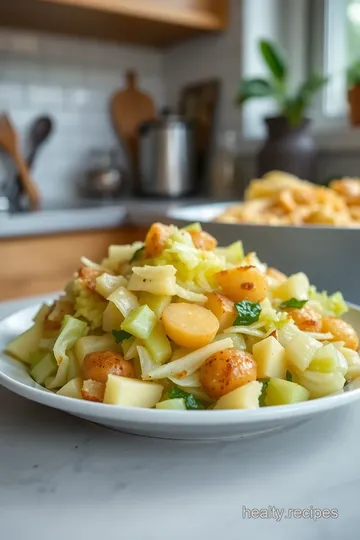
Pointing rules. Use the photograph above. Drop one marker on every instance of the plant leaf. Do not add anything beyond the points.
(274, 59)
(312, 86)
(294, 110)
(253, 88)
(293, 303)
(121, 335)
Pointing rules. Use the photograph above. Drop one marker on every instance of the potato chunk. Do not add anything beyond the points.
(156, 239)
(93, 391)
(306, 319)
(190, 325)
(243, 283)
(203, 240)
(99, 365)
(342, 331)
(270, 358)
(227, 370)
(222, 308)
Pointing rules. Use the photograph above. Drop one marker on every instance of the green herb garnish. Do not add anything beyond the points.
(262, 397)
(293, 303)
(248, 313)
(137, 254)
(289, 376)
(191, 403)
(121, 335)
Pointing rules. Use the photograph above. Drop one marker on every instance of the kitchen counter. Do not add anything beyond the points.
(88, 215)
(64, 478)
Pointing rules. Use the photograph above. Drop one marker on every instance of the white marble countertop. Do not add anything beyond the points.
(64, 478)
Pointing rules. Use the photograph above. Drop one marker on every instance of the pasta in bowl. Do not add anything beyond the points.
(178, 323)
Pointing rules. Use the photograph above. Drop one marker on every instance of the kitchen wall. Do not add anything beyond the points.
(72, 81)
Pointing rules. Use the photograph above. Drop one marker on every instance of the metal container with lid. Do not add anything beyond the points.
(166, 166)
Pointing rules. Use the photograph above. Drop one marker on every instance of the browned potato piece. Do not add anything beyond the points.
(306, 319)
(189, 325)
(342, 331)
(243, 283)
(99, 364)
(88, 277)
(274, 273)
(156, 239)
(93, 391)
(222, 308)
(203, 240)
(227, 370)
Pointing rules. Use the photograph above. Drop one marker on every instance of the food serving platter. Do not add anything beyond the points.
(329, 256)
(189, 425)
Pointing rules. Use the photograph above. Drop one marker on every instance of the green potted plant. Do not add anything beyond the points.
(289, 145)
(353, 77)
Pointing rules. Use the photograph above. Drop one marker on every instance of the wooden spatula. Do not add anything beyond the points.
(129, 109)
(9, 141)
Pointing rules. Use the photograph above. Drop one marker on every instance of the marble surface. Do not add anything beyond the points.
(64, 478)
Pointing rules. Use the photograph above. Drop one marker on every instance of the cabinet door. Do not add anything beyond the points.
(38, 265)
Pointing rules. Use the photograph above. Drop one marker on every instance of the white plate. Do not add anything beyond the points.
(204, 425)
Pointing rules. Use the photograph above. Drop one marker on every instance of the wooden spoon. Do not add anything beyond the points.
(129, 109)
(9, 141)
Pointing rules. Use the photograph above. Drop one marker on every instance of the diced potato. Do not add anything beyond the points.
(158, 345)
(93, 391)
(301, 350)
(190, 325)
(157, 303)
(120, 254)
(280, 392)
(154, 279)
(245, 397)
(22, 346)
(243, 283)
(72, 389)
(222, 308)
(106, 284)
(321, 384)
(125, 392)
(172, 405)
(124, 300)
(89, 344)
(112, 318)
(45, 368)
(270, 358)
(140, 322)
(329, 360)
(296, 286)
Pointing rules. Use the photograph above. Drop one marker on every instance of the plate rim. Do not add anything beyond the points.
(139, 415)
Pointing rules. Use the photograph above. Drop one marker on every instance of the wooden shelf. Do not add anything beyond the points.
(157, 23)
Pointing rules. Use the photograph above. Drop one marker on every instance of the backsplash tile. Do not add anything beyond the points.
(72, 81)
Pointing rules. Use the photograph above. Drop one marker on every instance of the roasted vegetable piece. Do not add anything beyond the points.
(341, 331)
(156, 239)
(99, 365)
(190, 325)
(306, 319)
(93, 391)
(227, 370)
(203, 240)
(222, 308)
(243, 283)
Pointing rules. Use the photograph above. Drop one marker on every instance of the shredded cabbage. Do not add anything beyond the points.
(90, 306)
(329, 306)
(72, 330)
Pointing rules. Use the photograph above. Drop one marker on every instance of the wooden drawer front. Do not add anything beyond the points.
(37, 265)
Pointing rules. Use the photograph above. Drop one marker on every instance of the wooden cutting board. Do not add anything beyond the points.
(129, 109)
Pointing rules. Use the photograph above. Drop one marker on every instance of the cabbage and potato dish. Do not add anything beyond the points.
(179, 323)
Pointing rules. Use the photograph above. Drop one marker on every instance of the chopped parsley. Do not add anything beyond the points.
(121, 335)
(137, 254)
(293, 303)
(191, 403)
(262, 397)
(248, 313)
